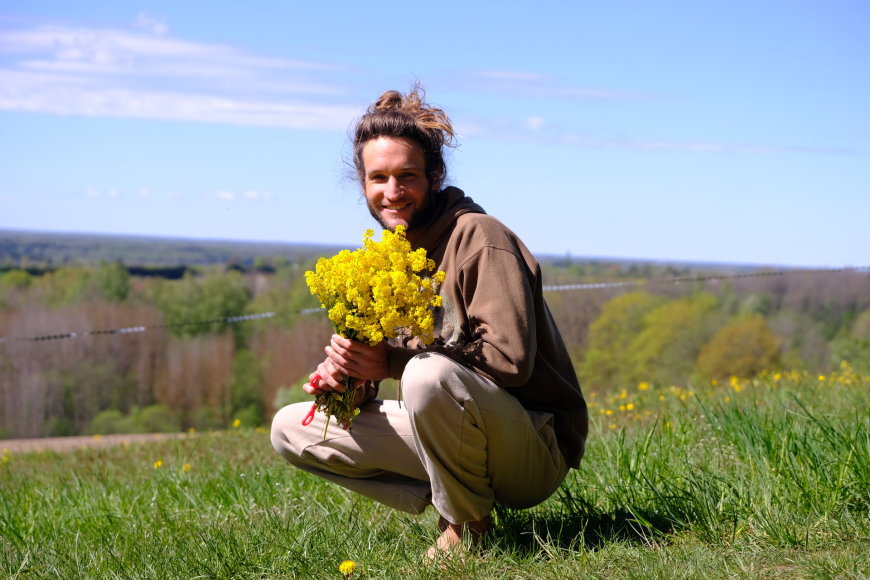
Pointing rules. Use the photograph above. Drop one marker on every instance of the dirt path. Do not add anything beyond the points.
(69, 443)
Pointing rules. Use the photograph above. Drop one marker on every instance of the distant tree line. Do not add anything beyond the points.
(46, 251)
(206, 376)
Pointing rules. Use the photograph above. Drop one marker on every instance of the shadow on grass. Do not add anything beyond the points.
(580, 526)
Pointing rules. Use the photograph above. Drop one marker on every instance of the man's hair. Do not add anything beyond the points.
(396, 115)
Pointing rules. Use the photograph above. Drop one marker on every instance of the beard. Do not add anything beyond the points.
(422, 216)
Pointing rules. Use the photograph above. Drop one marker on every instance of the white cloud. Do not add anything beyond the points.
(511, 75)
(151, 24)
(534, 123)
(257, 195)
(120, 73)
(249, 195)
(532, 84)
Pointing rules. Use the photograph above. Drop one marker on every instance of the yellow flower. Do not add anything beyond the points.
(347, 567)
(186, 467)
(237, 423)
(158, 464)
(642, 386)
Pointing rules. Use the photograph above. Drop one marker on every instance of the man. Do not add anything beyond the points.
(492, 411)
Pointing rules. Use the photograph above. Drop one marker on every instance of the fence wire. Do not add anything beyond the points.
(547, 288)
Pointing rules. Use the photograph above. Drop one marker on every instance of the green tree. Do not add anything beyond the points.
(63, 287)
(189, 302)
(246, 398)
(673, 334)
(744, 347)
(113, 281)
(855, 348)
(18, 279)
(622, 319)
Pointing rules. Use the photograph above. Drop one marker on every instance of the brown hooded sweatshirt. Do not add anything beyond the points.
(494, 318)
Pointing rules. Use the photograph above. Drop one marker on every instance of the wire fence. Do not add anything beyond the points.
(547, 288)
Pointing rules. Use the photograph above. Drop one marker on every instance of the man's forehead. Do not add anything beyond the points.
(395, 153)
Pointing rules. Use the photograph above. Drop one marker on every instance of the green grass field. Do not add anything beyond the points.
(767, 478)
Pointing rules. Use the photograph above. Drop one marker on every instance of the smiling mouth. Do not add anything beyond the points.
(397, 207)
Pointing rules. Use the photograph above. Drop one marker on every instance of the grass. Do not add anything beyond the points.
(767, 478)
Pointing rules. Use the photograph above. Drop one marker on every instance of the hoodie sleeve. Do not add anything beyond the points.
(495, 286)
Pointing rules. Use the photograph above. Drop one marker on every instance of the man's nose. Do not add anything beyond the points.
(393, 188)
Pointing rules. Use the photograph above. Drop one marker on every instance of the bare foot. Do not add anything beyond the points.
(455, 537)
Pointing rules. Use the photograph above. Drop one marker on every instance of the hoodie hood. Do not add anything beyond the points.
(450, 203)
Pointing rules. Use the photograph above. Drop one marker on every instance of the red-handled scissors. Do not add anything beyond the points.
(315, 382)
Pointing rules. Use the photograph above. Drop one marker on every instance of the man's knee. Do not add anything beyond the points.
(285, 423)
(428, 378)
(428, 368)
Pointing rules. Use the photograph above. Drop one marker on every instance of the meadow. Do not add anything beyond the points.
(761, 478)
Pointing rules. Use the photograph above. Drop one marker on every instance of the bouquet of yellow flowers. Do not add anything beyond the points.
(377, 292)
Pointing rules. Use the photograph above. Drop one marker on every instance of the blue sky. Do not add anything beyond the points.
(706, 131)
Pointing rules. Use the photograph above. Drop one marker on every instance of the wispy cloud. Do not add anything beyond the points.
(145, 73)
(250, 195)
(151, 24)
(533, 84)
(540, 129)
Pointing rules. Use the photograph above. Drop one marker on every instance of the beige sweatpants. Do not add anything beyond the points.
(455, 440)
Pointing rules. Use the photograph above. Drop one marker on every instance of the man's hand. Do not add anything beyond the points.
(345, 357)
(358, 359)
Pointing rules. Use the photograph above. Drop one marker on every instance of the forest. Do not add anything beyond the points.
(191, 368)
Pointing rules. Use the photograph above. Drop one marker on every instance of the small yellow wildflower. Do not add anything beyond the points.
(237, 423)
(821, 378)
(347, 567)
(186, 467)
(727, 399)
(192, 431)
(642, 386)
(158, 464)
(629, 407)
(613, 425)
(608, 412)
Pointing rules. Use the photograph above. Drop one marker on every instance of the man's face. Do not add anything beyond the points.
(395, 182)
